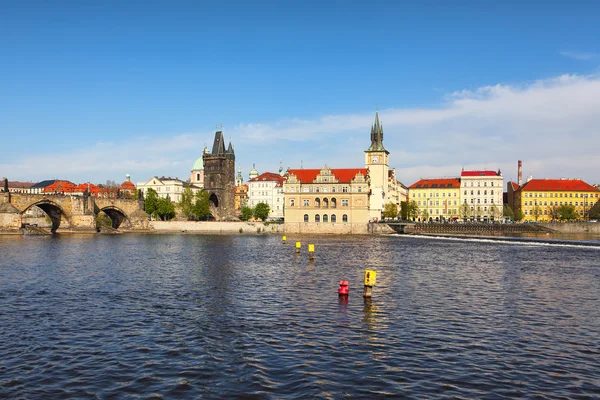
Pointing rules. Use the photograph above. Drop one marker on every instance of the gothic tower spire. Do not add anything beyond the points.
(376, 135)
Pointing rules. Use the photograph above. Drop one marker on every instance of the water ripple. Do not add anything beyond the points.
(183, 316)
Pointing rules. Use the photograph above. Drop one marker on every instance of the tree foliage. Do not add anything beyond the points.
(594, 212)
(247, 213)
(537, 212)
(159, 207)
(508, 212)
(261, 211)
(464, 211)
(409, 210)
(201, 209)
(390, 210)
(151, 202)
(424, 215)
(567, 212)
(186, 204)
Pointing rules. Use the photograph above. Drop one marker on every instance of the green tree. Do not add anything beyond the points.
(519, 215)
(478, 212)
(186, 204)
(261, 211)
(553, 212)
(151, 202)
(201, 209)
(537, 212)
(103, 220)
(567, 212)
(247, 213)
(594, 212)
(464, 211)
(409, 210)
(390, 210)
(494, 212)
(165, 209)
(508, 212)
(425, 215)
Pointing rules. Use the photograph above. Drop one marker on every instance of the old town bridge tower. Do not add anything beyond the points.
(219, 178)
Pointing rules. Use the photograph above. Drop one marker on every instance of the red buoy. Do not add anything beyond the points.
(343, 290)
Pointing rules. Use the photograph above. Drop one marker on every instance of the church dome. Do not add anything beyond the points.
(198, 165)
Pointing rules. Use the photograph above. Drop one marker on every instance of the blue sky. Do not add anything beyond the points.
(90, 91)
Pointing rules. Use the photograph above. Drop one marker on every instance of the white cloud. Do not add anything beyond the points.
(552, 125)
(580, 55)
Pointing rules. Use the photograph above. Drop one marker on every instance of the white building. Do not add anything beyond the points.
(197, 173)
(267, 188)
(167, 187)
(482, 191)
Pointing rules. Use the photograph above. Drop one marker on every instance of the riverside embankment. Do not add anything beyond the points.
(214, 227)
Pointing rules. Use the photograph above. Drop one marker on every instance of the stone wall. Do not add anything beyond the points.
(214, 227)
(327, 228)
(574, 227)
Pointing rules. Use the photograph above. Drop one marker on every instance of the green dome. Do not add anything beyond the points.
(198, 165)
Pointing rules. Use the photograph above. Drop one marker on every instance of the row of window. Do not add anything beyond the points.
(309, 189)
(437, 202)
(555, 203)
(437, 194)
(326, 218)
(479, 192)
(317, 203)
(591, 195)
(544, 212)
(479, 201)
(478, 184)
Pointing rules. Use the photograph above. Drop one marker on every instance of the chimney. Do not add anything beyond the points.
(520, 173)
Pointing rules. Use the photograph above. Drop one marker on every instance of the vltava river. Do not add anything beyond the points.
(195, 316)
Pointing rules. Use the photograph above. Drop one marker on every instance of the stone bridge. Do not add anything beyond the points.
(71, 213)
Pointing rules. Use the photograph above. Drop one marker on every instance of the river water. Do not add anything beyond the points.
(242, 316)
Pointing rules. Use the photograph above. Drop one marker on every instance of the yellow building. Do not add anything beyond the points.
(539, 199)
(326, 200)
(437, 199)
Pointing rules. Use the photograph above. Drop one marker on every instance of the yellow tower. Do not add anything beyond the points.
(377, 164)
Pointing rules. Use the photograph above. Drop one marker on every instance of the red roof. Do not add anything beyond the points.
(436, 183)
(570, 185)
(514, 185)
(127, 185)
(269, 176)
(479, 173)
(60, 187)
(344, 175)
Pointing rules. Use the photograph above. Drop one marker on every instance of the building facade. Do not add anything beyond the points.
(539, 199)
(219, 178)
(171, 188)
(267, 188)
(197, 172)
(482, 192)
(437, 199)
(377, 164)
(322, 200)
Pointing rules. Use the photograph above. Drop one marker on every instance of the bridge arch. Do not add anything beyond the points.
(53, 210)
(117, 216)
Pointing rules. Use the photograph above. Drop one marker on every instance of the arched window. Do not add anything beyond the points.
(344, 218)
(325, 218)
(317, 202)
(333, 203)
(333, 218)
(305, 217)
(317, 218)
(325, 204)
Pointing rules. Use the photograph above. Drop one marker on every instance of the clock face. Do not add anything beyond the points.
(375, 159)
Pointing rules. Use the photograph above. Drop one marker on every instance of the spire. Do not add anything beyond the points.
(218, 145)
(230, 148)
(376, 135)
